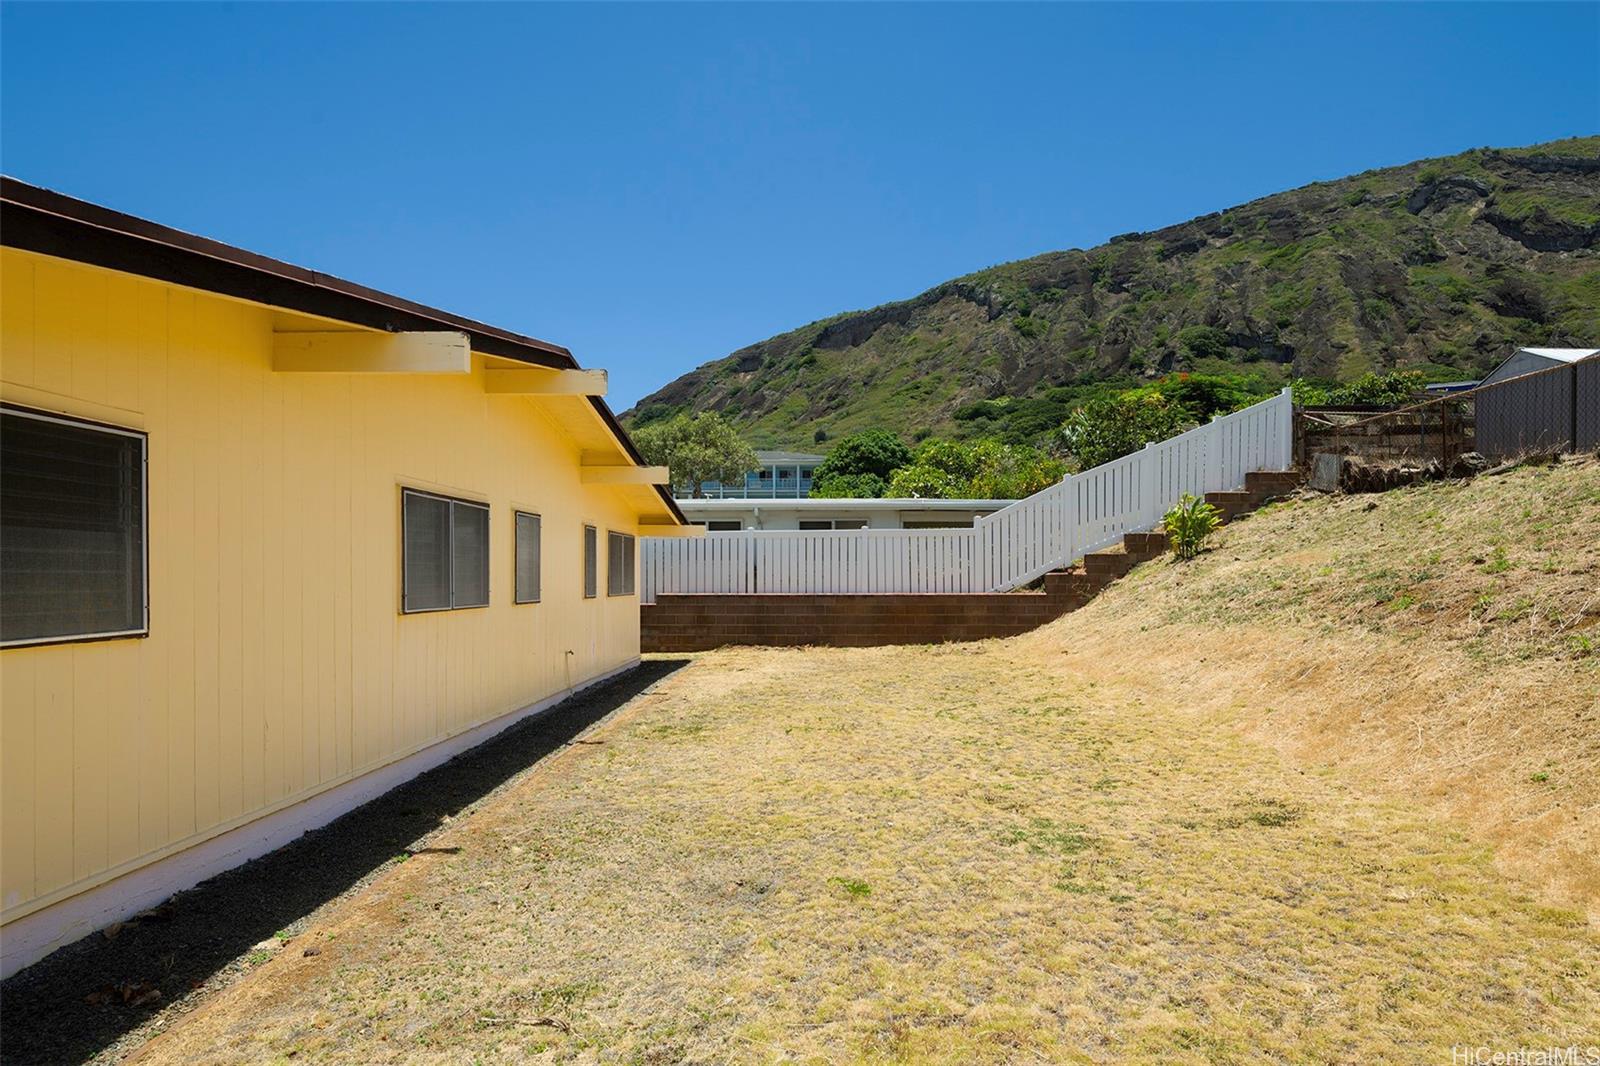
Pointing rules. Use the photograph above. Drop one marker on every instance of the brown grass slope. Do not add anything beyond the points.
(1077, 846)
(1448, 262)
(1439, 642)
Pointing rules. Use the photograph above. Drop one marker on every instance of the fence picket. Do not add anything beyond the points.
(1082, 513)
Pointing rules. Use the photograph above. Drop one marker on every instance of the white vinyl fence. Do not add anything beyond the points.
(1083, 513)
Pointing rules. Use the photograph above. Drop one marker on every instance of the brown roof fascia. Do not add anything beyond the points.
(39, 220)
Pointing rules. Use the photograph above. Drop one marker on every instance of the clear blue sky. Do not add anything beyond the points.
(656, 186)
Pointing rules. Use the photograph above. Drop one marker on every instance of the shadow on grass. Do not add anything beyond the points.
(69, 1006)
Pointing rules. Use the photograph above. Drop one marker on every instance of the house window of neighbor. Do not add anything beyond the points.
(527, 590)
(591, 562)
(73, 560)
(619, 564)
(446, 553)
(833, 523)
(724, 526)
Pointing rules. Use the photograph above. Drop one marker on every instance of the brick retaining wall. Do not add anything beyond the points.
(686, 622)
(679, 622)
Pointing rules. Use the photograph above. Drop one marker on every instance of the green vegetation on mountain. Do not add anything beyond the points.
(1442, 266)
(975, 470)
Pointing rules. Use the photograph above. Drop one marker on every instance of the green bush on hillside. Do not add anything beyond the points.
(1394, 389)
(1204, 342)
(849, 487)
(1109, 428)
(1188, 524)
(984, 469)
(877, 452)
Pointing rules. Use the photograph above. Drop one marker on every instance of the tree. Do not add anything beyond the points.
(696, 448)
(1110, 427)
(982, 469)
(1204, 342)
(848, 486)
(877, 452)
(1394, 389)
(1204, 395)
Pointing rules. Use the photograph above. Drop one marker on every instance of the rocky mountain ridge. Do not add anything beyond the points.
(1443, 264)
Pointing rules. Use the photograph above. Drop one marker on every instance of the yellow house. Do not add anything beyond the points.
(272, 544)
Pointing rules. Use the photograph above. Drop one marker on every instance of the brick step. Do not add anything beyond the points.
(1073, 584)
(1271, 482)
(1231, 502)
(1144, 545)
(1108, 564)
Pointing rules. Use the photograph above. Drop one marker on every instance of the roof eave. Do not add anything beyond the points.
(54, 224)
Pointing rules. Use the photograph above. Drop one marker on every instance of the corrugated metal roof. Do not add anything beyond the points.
(1565, 355)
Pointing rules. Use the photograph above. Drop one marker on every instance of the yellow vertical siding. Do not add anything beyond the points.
(278, 663)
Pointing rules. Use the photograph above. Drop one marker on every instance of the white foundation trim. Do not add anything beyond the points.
(26, 940)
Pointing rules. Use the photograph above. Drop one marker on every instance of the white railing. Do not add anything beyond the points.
(1083, 513)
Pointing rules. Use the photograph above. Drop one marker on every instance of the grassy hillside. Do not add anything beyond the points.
(1438, 643)
(1442, 264)
(1243, 810)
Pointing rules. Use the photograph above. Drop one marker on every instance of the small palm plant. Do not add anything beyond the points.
(1189, 523)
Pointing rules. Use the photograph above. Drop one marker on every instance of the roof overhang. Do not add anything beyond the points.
(50, 223)
(840, 503)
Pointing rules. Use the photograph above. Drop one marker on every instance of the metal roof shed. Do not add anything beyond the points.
(1529, 360)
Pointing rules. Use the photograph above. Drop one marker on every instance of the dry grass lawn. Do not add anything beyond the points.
(1214, 817)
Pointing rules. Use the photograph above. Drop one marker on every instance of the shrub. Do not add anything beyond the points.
(983, 469)
(877, 451)
(1204, 342)
(848, 486)
(1110, 427)
(1189, 523)
(1393, 389)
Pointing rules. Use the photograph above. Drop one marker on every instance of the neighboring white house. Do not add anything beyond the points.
(1528, 360)
(728, 515)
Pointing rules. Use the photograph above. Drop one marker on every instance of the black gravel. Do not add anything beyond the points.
(102, 997)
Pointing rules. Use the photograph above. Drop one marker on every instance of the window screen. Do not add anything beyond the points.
(619, 564)
(469, 555)
(446, 557)
(72, 529)
(591, 563)
(527, 590)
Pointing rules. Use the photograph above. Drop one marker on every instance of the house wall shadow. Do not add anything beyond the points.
(59, 1009)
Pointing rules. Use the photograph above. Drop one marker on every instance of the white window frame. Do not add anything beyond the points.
(16, 411)
(450, 553)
